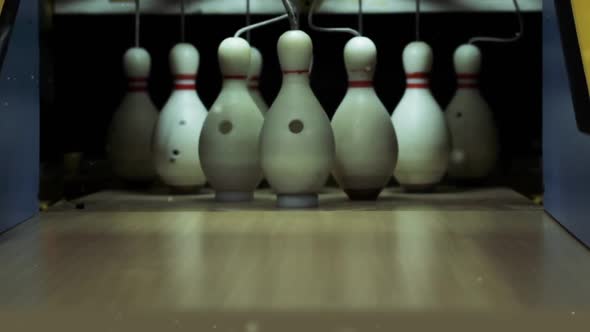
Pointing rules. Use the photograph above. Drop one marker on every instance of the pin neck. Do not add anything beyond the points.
(137, 84)
(418, 80)
(360, 75)
(296, 72)
(185, 82)
(294, 76)
(467, 81)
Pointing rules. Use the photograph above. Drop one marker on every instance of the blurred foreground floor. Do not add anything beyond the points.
(481, 250)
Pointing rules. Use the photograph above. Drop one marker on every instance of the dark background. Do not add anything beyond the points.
(87, 80)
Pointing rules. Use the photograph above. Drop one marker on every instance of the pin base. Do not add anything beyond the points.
(264, 184)
(419, 188)
(234, 196)
(184, 190)
(363, 194)
(303, 201)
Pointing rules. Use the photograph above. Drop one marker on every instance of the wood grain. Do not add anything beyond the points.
(267, 260)
(332, 199)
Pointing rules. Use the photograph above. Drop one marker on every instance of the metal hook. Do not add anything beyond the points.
(312, 9)
(137, 10)
(248, 20)
(182, 21)
(360, 17)
(516, 37)
(293, 14)
(260, 24)
(417, 20)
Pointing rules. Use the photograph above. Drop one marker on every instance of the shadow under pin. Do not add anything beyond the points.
(363, 194)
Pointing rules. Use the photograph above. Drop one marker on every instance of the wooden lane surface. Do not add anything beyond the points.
(332, 199)
(431, 259)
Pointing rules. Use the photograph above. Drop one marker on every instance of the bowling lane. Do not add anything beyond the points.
(306, 261)
(159, 199)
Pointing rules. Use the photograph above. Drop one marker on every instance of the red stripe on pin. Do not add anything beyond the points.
(417, 75)
(418, 86)
(360, 84)
(185, 77)
(254, 78)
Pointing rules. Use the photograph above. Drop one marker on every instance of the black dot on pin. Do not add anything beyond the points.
(296, 126)
(225, 127)
(182, 122)
(459, 114)
(176, 152)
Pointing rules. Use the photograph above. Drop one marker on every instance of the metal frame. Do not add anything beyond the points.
(7, 17)
(575, 65)
(19, 113)
(275, 6)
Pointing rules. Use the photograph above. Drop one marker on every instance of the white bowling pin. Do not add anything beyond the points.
(176, 142)
(422, 133)
(229, 140)
(471, 123)
(366, 144)
(296, 143)
(254, 78)
(129, 142)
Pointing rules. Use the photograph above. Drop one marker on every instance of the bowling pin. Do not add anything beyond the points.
(420, 125)
(471, 123)
(129, 142)
(254, 78)
(296, 143)
(176, 142)
(366, 144)
(229, 140)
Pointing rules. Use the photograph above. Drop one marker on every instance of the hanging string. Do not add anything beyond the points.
(317, 28)
(361, 24)
(260, 24)
(292, 14)
(182, 21)
(248, 20)
(137, 10)
(516, 37)
(417, 20)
